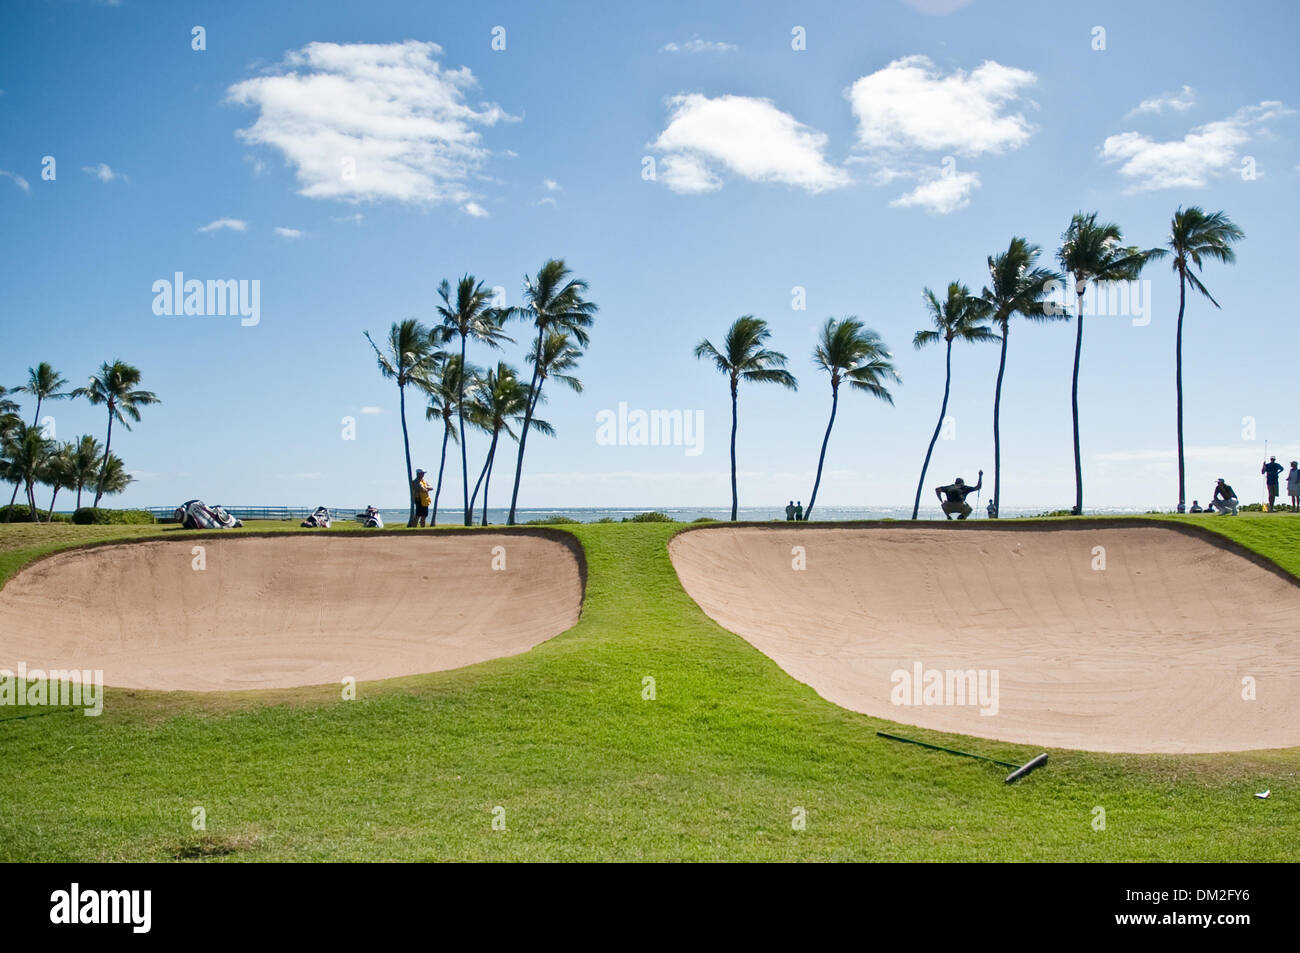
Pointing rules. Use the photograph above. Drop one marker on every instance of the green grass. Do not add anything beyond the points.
(587, 770)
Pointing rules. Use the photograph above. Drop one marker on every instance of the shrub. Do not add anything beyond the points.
(605, 519)
(96, 516)
(18, 513)
(551, 521)
(652, 517)
(23, 514)
(704, 519)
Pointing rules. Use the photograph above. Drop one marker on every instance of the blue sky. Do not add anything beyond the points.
(895, 151)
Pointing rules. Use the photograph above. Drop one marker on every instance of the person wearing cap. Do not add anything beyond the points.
(1293, 486)
(1224, 500)
(956, 493)
(420, 497)
(789, 512)
(1271, 470)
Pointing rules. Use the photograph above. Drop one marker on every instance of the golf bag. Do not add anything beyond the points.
(195, 514)
(372, 518)
(319, 519)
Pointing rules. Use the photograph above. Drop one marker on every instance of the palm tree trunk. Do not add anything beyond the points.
(1178, 387)
(835, 400)
(1074, 410)
(406, 447)
(533, 393)
(49, 518)
(79, 486)
(442, 462)
(997, 437)
(487, 482)
(492, 449)
(734, 498)
(943, 410)
(103, 470)
(31, 501)
(460, 416)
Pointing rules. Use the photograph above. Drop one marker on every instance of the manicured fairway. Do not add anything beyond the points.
(585, 768)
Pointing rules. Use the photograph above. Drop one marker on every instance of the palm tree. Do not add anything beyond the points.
(553, 301)
(26, 452)
(1194, 236)
(470, 316)
(114, 386)
(959, 317)
(9, 419)
(43, 383)
(116, 479)
(500, 398)
(847, 351)
(409, 356)
(1093, 251)
(58, 473)
(744, 358)
(83, 464)
(445, 393)
(1015, 286)
(8, 410)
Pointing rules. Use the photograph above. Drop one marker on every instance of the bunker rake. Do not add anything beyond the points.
(1018, 770)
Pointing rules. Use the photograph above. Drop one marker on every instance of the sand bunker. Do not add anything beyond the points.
(1148, 654)
(283, 611)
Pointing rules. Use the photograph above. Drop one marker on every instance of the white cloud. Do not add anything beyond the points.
(18, 180)
(937, 8)
(476, 210)
(233, 224)
(1180, 102)
(910, 104)
(289, 233)
(103, 173)
(361, 122)
(356, 218)
(743, 135)
(697, 45)
(940, 193)
(547, 200)
(551, 185)
(1190, 162)
(372, 410)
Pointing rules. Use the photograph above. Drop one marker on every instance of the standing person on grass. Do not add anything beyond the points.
(1293, 486)
(420, 497)
(1271, 470)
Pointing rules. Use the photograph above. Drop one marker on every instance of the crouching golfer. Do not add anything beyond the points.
(956, 494)
(420, 497)
(1225, 498)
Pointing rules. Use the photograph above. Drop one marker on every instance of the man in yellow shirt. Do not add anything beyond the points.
(420, 497)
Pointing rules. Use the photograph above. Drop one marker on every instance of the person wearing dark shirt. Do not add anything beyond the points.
(1271, 470)
(798, 511)
(1225, 498)
(789, 511)
(952, 498)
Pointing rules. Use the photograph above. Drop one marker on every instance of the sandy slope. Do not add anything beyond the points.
(283, 611)
(1147, 655)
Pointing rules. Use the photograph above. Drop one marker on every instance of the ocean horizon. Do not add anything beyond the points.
(451, 516)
